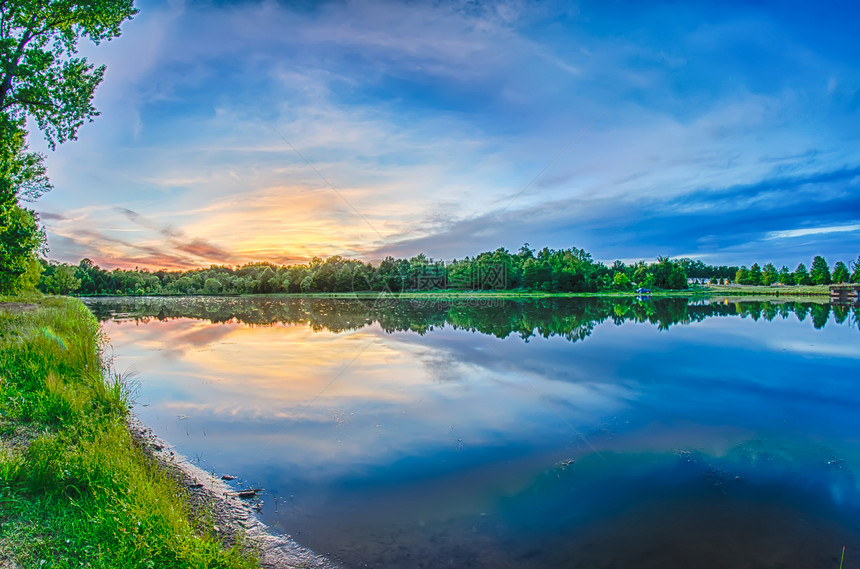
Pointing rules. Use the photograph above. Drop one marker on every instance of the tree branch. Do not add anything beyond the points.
(16, 99)
(12, 67)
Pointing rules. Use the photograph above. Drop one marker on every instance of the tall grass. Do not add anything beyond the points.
(74, 489)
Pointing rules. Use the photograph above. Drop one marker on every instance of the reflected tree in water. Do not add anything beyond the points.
(571, 318)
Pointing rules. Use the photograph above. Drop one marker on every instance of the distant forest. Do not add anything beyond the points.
(547, 270)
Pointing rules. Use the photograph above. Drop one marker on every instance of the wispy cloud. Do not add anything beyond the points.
(730, 224)
(790, 233)
(721, 130)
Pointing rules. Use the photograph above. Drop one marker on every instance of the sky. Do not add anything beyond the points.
(233, 132)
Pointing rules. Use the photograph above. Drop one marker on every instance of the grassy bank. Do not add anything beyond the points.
(799, 290)
(74, 489)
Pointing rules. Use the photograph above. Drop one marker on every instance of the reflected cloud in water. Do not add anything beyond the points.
(474, 427)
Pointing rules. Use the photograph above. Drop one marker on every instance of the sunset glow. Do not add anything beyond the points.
(264, 131)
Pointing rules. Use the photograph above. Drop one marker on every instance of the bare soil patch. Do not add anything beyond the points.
(18, 307)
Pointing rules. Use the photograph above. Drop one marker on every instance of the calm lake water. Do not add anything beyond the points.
(499, 434)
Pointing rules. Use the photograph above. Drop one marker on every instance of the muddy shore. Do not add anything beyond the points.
(233, 517)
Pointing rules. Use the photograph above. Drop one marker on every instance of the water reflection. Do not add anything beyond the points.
(571, 318)
(438, 434)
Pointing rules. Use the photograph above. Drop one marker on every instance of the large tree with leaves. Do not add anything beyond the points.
(801, 276)
(769, 275)
(819, 273)
(840, 273)
(42, 77)
(22, 176)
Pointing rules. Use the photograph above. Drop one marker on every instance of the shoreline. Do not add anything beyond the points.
(83, 479)
(706, 291)
(234, 518)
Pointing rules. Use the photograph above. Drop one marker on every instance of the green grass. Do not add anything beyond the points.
(74, 489)
(799, 290)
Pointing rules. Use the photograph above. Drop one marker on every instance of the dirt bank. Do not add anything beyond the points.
(233, 516)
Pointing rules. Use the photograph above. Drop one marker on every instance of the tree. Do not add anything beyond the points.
(536, 274)
(21, 239)
(40, 76)
(642, 276)
(855, 276)
(621, 281)
(801, 277)
(785, 276)
(212, 286)
(668, 274)
(769, 275)
(526, 252)
(755, 275)
(59, 279)
(840, 273)
(22, 173)
(820, 271)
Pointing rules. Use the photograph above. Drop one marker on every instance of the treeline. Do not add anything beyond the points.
(819, 273)
(547, 270)
(572, 319)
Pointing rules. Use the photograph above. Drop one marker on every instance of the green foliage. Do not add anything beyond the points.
(524, 317)
(22, 173)
(855, 275)
(59, 279)
(668, 275)
(212, 286)
(699, 270)
(622, 282)
(21, 239)
(78, 492)
(801, 276)
(840, 273)
(769, 275)
(820, 271)
(752, 276)
(755, 274)
(547, 270)
(40, 76)
(565, 270)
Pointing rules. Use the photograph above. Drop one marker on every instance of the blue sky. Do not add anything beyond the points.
(244, 131)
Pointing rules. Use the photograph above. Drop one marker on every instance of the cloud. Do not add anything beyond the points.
(96, 233)
(791, 233)
(706, 221)
(428, 119)
(196, 247)
(51, 216)
(135, 217)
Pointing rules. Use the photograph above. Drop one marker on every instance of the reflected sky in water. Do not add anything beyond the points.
(447, 434)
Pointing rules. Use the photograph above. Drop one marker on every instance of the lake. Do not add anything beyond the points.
(493, 433)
